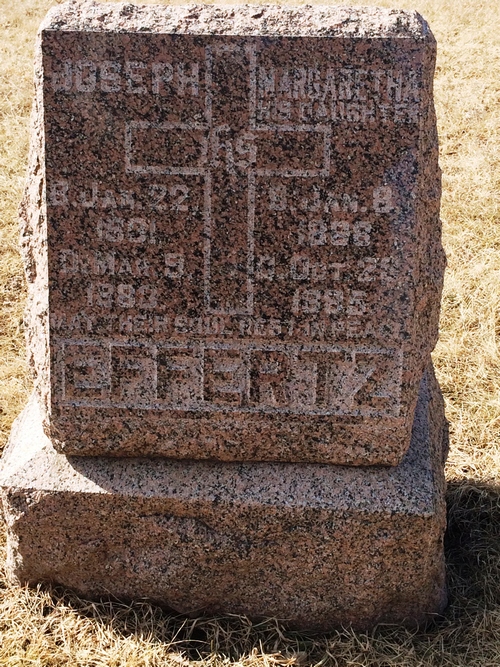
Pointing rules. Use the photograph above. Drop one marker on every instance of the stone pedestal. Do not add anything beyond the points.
(315, 545)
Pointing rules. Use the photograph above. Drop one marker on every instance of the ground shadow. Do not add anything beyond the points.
(472, 547)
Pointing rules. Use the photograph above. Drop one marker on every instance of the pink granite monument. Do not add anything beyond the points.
(238, 255)
(232, 244)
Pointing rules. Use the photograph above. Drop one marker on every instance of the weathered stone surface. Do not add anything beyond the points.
(231, 231)
(315, 544)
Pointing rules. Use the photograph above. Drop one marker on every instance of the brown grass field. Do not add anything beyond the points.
(53, 627)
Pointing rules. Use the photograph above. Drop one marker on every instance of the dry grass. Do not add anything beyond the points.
(53, 627)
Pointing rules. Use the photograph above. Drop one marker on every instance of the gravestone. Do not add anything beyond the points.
(232, 245)
(242, 233)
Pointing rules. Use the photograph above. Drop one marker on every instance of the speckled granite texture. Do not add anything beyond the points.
(317, 545)
(231, 231)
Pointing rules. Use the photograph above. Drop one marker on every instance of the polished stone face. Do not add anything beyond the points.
(242, 231)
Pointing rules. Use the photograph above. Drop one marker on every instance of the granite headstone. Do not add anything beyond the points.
(232, 247)
(239, 253)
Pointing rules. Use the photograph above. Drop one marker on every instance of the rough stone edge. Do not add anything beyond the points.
(361, 22)
(34, 249)
(430, 261)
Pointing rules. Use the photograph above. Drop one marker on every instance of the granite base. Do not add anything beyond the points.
(317, 546)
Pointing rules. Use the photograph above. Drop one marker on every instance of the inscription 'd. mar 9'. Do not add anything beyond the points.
(303, 254)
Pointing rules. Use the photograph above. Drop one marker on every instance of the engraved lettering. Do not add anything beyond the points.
(144, 324)
(134, 74)
(268, 379)
(383, 199)
(266, 266)
(62, 80)
(225, 377)
(201, 212)
(158, 192)
(137, 230)
(361, 233)
(86, 372)
(110, 76)
(299, 269)
(125, 296)
(188, 79)
(133, 376)
(163, 74)
(180, 377)
(174, 265)
(108, 200)
(277, 198)
(179, 193)
(85, 76)
(340, 232)
(317, 232)
(134, 230)
(89, 201)
(111, 230)
(58, 193)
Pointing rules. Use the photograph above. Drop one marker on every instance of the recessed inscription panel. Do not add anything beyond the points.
(233, 378)
(233, 242)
